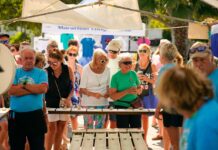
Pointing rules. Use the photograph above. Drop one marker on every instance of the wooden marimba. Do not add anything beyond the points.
(108, 139)
(99, 111)
(3, 112)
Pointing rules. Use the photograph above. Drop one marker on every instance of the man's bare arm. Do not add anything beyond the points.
(36, 88)
(18, 90)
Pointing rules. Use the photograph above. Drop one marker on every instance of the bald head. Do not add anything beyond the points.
(28, 59)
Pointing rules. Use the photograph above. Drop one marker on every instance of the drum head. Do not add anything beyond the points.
(7, 68)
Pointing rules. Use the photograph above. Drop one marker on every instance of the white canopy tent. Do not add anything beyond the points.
(84, 15)
(213, 3)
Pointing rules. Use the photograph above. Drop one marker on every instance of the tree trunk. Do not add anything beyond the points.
(179, 37)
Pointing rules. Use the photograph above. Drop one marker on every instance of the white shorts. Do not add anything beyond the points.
(57, 117)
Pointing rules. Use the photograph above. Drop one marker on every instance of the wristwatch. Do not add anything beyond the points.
(24, 85)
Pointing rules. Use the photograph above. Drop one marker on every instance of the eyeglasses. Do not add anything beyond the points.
(73, 54)
(113, 52)
(12, 50)
(103, 61)
(142, 51)
(52, 63)
(4, 41)
(127, 62)
(198, 49)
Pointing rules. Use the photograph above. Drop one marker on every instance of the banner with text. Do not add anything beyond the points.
(60, 29)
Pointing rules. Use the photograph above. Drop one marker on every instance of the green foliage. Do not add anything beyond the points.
(155, 24)
(12, 9)
(148, 5)
(19, 37)
(188, 9)
(167, 35)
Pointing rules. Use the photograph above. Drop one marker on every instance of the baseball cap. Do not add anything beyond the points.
(199, 49)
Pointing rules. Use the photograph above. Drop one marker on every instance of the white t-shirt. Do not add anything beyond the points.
(113, 65)
(94, 83)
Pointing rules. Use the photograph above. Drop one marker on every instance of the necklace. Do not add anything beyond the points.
(96, 72)
(98, 80)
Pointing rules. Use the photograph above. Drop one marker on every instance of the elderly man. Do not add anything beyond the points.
(203, 60)
(26, 118)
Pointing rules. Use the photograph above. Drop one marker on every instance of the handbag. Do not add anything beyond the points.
(137, 103)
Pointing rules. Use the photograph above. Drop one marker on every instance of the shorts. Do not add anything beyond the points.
(150, 101)
(58, 117)
(172, 120)
(128, 121)
(26, 124)
(32, 122)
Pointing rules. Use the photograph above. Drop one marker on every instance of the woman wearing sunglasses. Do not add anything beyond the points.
(124, 88)
(147, 73)
(71, 59)
(94, 88)
(60, 79)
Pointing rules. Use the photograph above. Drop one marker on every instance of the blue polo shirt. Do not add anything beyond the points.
(29, 102)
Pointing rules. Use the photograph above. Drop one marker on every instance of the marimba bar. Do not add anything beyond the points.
(108, 139)
(3, 112)
(99, 111)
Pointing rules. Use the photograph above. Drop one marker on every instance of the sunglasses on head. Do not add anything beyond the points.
(4, 41)
(113, 52)
(142, 51)
(127, 62)
(198, 49)
(52, 63)
(73, 54)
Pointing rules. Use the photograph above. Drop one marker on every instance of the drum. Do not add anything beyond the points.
(7, 68)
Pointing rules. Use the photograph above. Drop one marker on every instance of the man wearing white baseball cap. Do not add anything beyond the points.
(113, 48)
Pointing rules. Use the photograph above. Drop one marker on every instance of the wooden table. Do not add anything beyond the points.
(108, 139)
(99, 111)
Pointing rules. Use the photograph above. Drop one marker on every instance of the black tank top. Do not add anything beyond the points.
(64, 84)
(148, 72)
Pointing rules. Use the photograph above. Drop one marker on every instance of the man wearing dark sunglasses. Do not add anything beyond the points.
(203, 60)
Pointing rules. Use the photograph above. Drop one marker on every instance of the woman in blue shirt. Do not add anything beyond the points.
(190, 94)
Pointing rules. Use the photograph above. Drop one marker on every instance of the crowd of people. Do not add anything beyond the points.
(184, 96)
